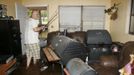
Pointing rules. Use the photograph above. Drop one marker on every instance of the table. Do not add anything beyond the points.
(50, 54)
(52, 57)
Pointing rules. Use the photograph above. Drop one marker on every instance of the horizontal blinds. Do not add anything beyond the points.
(70, 18)
(93, 17)
(89, 17)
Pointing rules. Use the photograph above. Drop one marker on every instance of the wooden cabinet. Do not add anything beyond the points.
(5, 67)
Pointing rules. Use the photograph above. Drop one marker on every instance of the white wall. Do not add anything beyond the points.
(119, 27)
(53, 6)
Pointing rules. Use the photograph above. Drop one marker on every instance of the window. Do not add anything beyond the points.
(70, 18)
(81, 18)
(43, 14)
(93, 17)
(131, 22)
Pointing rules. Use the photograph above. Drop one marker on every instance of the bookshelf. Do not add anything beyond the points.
(5, 67)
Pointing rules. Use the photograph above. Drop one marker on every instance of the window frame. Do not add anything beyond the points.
(131, 31)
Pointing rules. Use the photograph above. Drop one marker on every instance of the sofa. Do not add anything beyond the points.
(107, 64)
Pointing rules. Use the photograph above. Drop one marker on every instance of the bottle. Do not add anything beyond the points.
(86, 60)
(65, 32)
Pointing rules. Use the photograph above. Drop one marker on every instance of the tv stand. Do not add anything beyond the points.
(5, 67)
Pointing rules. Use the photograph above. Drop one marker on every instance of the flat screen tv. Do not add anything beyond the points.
(10, 42)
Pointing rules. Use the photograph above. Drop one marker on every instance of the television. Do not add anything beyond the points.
(10, 41)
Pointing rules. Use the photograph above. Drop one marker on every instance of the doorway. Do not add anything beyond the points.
(22, 14)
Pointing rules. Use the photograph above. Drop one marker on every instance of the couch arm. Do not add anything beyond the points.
(109, 61)
(116, 46)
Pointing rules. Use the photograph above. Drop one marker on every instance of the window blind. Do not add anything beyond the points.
(93, 17)
(70, 18)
